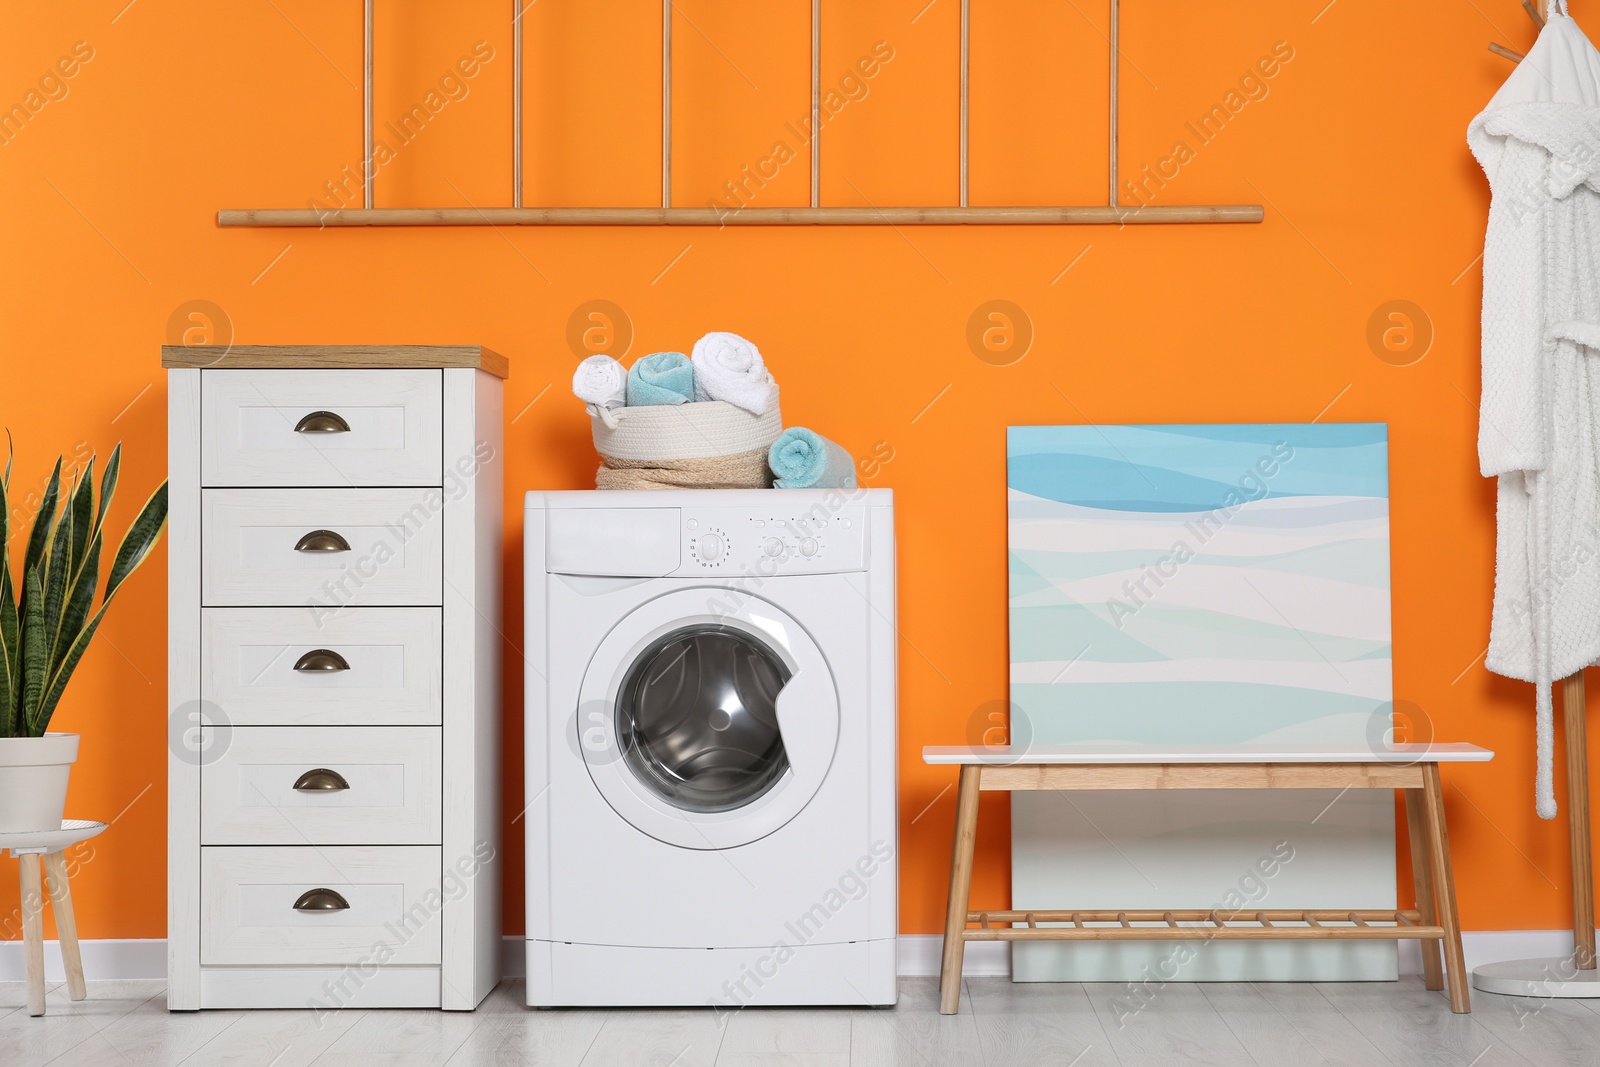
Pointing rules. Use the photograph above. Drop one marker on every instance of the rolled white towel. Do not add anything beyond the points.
(601, 381)
(729, 368)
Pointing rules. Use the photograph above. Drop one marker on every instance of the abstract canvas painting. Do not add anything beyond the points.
(1200, 585)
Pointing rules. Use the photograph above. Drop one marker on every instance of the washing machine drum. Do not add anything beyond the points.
(697, 718)
(706, 730)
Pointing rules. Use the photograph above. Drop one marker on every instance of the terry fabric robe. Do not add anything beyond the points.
(1538, 141)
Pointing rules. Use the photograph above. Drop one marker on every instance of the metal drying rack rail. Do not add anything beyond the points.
(1110, 213)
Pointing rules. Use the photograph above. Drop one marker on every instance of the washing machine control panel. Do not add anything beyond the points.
(815, 540)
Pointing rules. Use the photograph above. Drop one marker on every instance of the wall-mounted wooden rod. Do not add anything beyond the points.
(966, 16)
(754, 216)
(1537, 10)
(367, 164)
(816, 103)
(666, 103)
(516, 102)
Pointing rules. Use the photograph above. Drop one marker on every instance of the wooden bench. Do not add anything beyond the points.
(1413, 768)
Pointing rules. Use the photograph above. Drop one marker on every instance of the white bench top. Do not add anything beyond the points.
(1093, 754)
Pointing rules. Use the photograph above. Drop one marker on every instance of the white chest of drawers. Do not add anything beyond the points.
(334, 676)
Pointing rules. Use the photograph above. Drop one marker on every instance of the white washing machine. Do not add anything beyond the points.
(710, 711)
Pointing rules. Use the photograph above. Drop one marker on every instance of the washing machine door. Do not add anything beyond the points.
(707, 727)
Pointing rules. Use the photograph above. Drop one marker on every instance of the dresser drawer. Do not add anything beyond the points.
(321, 785)
(321, 427)
(325, 549)
(391, 913)
(290, 667)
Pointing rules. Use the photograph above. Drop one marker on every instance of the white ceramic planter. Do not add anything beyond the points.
(33, 781)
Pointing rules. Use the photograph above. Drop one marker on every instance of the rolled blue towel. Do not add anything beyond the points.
(804, 459)
(664, 378)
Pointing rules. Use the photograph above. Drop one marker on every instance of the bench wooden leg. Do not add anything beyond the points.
(1422, 879)
(1445, 888)
(33, 930)
(55, 869)
(955, 920)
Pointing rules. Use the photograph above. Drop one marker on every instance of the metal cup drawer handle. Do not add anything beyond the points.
(322, 422)
(321, 659)
(322, 541)
(321, 900)
(320, 780)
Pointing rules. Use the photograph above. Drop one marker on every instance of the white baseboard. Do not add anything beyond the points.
(920, 953)
(129, 958)
(1491, 946)
(920, 956)
(103, 959)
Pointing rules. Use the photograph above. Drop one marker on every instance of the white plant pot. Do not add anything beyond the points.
(33, 781)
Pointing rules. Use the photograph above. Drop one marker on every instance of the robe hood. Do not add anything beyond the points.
(1551, 100)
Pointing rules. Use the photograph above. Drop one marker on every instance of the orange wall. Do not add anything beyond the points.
(107, 202)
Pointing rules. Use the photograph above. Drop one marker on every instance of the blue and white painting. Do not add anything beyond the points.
(1201, 585)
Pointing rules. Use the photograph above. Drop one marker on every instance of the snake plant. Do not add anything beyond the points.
(47, 613)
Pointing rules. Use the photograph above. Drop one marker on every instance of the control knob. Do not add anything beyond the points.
(711, 547)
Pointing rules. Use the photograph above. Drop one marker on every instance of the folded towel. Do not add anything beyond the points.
(664, 378)
(727, 367)
(601, 381)
(804, 459)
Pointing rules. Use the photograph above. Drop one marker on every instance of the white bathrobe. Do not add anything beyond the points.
(1539, 143)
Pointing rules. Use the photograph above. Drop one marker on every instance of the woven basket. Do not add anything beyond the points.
(697, 430)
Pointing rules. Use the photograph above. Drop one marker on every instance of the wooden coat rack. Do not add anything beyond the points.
(1574, 707)
(1541, 978)
(815, 214)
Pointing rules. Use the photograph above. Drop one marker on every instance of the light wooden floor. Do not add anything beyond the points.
(1370, 1025)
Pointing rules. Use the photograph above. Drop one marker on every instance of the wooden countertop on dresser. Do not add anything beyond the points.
(326, 357)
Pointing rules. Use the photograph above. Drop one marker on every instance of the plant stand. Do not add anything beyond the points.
(29, 848)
